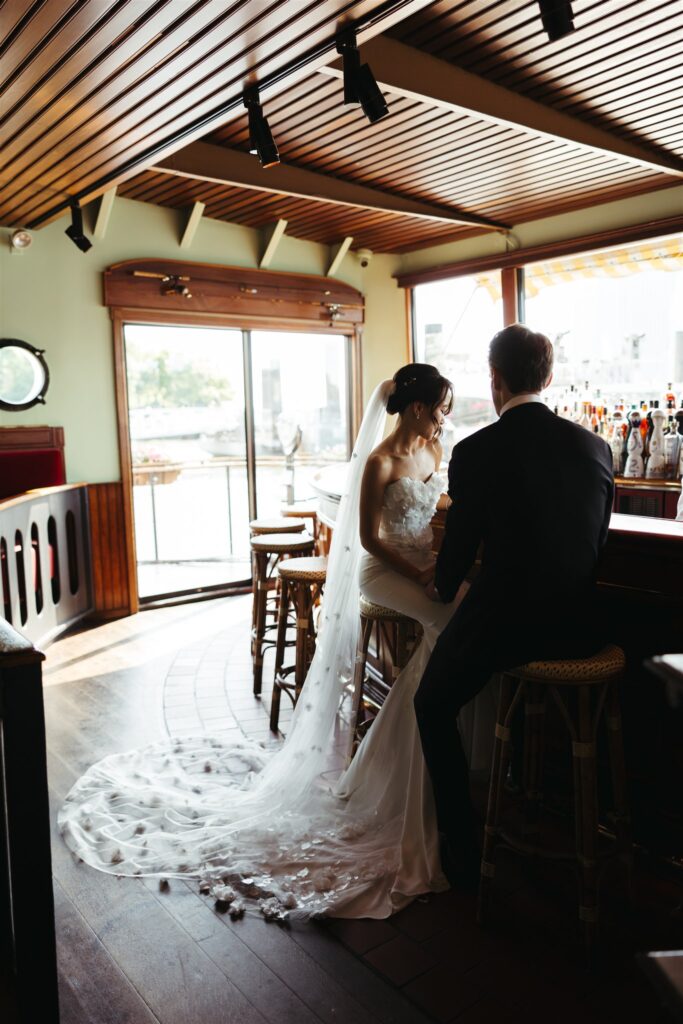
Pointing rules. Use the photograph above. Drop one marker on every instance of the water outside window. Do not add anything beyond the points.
(185, 387)
(455, 321)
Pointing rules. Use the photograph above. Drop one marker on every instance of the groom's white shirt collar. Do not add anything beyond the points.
(519, 400)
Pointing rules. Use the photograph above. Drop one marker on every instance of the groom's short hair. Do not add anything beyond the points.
(523, 358)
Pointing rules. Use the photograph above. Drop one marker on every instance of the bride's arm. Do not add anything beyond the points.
(377, 475)
(444, 501)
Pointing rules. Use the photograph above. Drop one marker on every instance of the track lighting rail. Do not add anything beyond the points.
(209, 121)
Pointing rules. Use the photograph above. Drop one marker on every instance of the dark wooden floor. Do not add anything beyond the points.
(129, 952)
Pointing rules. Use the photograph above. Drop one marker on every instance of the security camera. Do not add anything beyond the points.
(364, 256)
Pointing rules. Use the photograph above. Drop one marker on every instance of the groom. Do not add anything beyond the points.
(535, 490)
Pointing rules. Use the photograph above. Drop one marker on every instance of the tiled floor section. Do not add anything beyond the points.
(527, 966)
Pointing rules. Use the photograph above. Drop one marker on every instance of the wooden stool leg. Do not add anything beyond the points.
(260, 597)
(283, 613)
(401, 656)
(622, 818)
(585, 775)
(501, 757)
(534, 720)
(254, 585)
(303, 606)
(359, 682)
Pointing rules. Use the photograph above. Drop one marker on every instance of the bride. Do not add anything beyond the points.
(271, 830)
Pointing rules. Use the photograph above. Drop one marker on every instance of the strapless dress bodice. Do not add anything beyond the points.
(407, 511)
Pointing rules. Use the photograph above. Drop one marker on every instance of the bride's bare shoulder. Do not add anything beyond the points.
(379, 466)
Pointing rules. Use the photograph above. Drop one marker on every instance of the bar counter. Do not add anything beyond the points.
(640, 605)
(643, 555)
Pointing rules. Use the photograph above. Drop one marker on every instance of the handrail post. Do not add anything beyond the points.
(27, 924)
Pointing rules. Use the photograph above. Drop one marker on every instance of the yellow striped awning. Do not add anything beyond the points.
(663, 255)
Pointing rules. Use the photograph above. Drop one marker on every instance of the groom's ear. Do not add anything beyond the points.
(496, 379)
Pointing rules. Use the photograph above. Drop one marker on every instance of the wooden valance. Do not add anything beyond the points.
(240, 293)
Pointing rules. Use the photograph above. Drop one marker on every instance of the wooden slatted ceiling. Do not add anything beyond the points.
(87, 86)
(418, 150)
(621, 68)
(440, 156)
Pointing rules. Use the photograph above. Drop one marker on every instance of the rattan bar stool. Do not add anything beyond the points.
(283, 524)
(301, 584)
(397, 631)
(310, 515)
(266, 551)
(585, 691)
(258, 527)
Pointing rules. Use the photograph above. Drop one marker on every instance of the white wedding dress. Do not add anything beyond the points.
(273, 830)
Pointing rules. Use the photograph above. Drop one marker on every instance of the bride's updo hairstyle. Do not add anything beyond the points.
(420, 382)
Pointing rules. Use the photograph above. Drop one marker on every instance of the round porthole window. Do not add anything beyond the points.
(24, 376)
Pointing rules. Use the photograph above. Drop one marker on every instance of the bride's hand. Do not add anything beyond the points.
(426, 576)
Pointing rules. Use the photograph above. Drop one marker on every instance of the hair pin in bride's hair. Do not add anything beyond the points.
(411, 380)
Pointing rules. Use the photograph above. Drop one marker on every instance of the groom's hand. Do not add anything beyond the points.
(432, 592)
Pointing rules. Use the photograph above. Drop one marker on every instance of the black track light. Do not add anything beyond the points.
(75, 229)
(261, 139)
(359, 82)
(557, 17)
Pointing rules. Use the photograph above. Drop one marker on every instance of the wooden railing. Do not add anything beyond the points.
(45, 563)
(28, 961)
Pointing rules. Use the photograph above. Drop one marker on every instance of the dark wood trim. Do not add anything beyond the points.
(23, 438)
(125, 459)
(356, 381)
(111, 569)
(410, 326)
(181, 317)
(303, 292)
(508, 281)
(242, 293)
(550, 250)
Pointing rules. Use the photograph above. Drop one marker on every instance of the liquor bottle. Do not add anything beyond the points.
(599, 406)
(656, 463)
(616, 443)
(634, 448)
(679, 421)
(669, 397)
(595, 422)
(650, 423)
(672, 448)
(644, 426)
(585, 420)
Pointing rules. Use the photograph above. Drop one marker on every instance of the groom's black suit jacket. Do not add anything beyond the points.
(536, 491)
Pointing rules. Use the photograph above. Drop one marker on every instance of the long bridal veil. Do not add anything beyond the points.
(258, 827)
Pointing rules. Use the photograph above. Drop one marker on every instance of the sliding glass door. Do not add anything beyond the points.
(224, 425)
(301, 412)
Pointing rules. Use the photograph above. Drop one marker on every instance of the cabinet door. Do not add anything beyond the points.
(634, 502)
(671, 499)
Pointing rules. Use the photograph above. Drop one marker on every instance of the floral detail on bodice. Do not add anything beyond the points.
(407, 510)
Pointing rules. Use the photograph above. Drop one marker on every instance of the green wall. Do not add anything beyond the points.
(51, 296)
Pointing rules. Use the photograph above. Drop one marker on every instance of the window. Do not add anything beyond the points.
(616, 320)
(454, 323)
